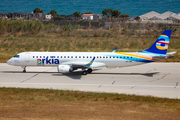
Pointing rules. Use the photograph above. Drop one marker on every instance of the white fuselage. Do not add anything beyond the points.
(102, 59)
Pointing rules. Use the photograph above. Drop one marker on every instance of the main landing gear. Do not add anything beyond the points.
(89, 70)
(24, 67)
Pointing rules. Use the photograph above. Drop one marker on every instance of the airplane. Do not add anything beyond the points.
(70, 61)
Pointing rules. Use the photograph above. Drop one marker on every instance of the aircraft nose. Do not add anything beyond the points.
(9, 62)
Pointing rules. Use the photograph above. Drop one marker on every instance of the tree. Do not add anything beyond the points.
(38, 10)
(137, 18)
(104, 12)
(107, 12)
(124, 15)
(90, 12)
(111, 13)
(53, 12)
(116, 13)
(76, 14)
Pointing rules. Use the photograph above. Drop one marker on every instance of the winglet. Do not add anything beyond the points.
(91, 62)
(114, 50)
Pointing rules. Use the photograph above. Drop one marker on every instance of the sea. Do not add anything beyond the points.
(66, 7)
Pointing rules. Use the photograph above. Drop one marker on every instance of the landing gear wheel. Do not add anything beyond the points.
(89, 70)
(24, 69)
(84, 72)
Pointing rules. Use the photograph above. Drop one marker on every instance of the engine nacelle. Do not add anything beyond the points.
(64, 68)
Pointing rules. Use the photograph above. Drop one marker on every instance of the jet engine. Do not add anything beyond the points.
(64, 68)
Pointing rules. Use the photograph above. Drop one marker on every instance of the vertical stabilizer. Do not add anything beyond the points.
(161, 44)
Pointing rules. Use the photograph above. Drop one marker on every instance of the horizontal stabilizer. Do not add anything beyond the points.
(168, 55)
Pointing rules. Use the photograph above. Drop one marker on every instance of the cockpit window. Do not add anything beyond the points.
(16, 56)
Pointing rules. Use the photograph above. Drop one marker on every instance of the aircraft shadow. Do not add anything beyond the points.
(78, 74)
(145, 74)
(73, 75)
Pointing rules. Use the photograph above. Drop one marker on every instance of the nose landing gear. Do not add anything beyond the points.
(24, 67)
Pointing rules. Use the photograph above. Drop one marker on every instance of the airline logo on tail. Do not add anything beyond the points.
(163, 42)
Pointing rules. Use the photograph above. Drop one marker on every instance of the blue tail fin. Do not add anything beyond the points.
(161, 44)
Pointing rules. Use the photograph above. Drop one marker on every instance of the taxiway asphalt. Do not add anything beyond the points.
(154, 79)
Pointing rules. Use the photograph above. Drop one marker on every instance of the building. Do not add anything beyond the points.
(163, 16)
(168, 17)
(98, 16)
(147, 16)
(87, 16)
(48, 17)
(91, 16)
(175, 18)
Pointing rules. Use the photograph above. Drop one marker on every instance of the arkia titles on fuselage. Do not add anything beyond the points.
(47, 61)
(70, 61)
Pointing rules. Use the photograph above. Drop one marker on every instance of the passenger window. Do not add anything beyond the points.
(64, 56)
(127, 57)
(40, 56)
(124, 57)
(109, 57)
(100, 57)
(57, 56)
(90, 56)
(36, 56)
(71, 56)
(76, 57)
(106, 56)
(87, 56)
(43, 56)
(79, 56)
(68, 56)
(103, 57)
(61, 57)
(33, 56)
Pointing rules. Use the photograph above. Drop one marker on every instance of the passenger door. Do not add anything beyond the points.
(27, 57)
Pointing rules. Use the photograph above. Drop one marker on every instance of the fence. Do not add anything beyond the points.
(109, 25)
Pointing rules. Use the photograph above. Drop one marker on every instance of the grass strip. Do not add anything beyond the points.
(12, 45)
(19, 103)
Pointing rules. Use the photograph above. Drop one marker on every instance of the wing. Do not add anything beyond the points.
(80, 64)
(83, 64)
